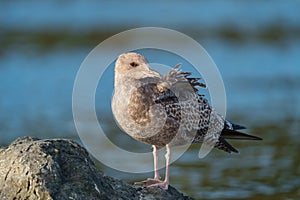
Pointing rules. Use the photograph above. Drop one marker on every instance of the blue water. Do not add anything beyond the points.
(262, 80)
(81, 16)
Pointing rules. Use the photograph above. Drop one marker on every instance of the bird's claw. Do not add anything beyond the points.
(162, 184)
(153, 182)
(149, 181)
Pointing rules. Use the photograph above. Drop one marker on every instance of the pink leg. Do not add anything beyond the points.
(155, 158)
(156, 182)
(165, 183)
(156, 179)
(168, 158)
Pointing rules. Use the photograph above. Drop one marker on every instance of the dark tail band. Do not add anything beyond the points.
(233, 134)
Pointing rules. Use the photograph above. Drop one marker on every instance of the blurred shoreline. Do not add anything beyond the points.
(255, 45)
(46, 40)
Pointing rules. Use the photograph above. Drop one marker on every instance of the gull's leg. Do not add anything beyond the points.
(156, 179)
(164, 184)
(155, 159)
(168, 159)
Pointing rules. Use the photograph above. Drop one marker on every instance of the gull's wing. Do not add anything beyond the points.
(179, 97)
(175, 86)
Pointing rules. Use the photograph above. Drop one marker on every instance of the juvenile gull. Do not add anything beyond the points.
(166, 111)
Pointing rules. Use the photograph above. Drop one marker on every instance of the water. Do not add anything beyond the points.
(257, 55)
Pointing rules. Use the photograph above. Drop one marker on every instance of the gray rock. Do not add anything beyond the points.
(61, 169)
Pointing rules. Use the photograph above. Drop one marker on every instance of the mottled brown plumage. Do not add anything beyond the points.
(166, 110)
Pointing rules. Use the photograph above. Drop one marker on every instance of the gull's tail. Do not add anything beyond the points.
(230, 132)
(233, 134)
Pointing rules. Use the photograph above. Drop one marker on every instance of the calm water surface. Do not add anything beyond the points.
(257, 55)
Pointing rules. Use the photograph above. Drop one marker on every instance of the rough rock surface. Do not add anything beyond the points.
(61, 169)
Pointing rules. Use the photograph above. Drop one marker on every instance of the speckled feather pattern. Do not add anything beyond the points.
(161, 110)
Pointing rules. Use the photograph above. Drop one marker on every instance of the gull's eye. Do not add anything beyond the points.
(134, 64)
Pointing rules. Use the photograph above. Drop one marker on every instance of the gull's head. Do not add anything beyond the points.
(130, 62)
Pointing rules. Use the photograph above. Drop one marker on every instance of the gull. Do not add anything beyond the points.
(166, 111)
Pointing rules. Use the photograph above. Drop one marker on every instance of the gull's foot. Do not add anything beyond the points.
(162, 184)
(154, 182)
(149, 182)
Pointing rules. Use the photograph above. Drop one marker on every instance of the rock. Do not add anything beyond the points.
(61, 169)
